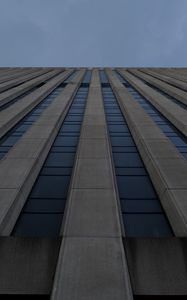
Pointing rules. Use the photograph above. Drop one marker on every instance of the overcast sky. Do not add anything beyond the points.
(93, 33)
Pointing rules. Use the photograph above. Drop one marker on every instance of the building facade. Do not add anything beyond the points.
(93, 183)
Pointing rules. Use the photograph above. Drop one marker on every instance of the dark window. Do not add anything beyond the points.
(122, 149)
(39, 225)
(140, 206)
(60, 160)
(66, 141)
(10, 141)
(18, 130)
(175, 136)
(127, 160)
(135, 187)
(122, 141)
(45, 206)
(146, 225)
(178, 141)
(63, 149)
(130, 171)
(51, 187)
(118, 128)
(142, 212)
(43, 212)
(56, 171)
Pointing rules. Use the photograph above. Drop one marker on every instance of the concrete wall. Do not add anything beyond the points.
(27, 265)
(92, 260)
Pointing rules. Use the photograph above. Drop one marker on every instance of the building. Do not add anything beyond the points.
(93, 183)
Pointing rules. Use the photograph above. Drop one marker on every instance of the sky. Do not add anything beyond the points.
(99, 33)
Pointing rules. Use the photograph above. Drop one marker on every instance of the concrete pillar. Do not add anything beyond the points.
(173, 74)
(165, 165)
(165, 79)
(23, 162)
(15, 112)
(26, 76)
(175, 92)
(6, 75)
(173, 112)
(11, 94)
(92, 262)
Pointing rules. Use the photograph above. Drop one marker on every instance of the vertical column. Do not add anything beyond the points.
(91, 262)
(23, 162)
(166, 167)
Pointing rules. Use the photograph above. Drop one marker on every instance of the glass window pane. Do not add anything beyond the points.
(135, 187)
(122, 141)
(10, 141)
(50, 187)
(130, 171)
(38, 225)
(60, 160)
(127, 160)
(146, 225)
(45, 206)
(140, 206)
(66, 141)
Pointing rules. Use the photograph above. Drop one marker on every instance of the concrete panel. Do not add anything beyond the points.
(167, 88)
(164, 78)
(92, 268)
(21, 79)
(93, 148)
(21, 172)
(13, 73)
(16, 171)
(174, 74)
(92, 213)
(177, 209)
(174, 113)
(154, 148)
(47, 118)
(11, 94)
(8, 71)
(40, 132)
(18, 110)
(7, 197)
(28, 148)
(27, 265)
(91, 119)
(92, 264)
(97, 110)
(93, 173)
(147, 131)
(157, 266)
(93, 131)
(167, 171)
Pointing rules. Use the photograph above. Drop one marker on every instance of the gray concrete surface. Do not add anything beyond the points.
(23, 77)
(92, 264)
(173, 91)
(13, 73)
(15, 112)
(21, 171)
(174, 113)
(165, 78)
(157, 266)
(16, 91)
(166, 171)
(173, 73)
(27, 265)
(91, 269)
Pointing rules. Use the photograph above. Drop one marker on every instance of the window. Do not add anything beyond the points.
(142, 212)
(43, 212)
